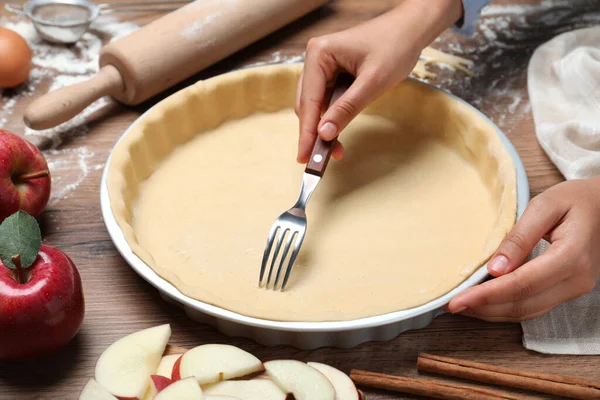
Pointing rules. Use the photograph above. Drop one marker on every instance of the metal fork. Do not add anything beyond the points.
(290, 227)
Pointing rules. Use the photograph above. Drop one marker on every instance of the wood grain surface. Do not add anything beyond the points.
(119, 302)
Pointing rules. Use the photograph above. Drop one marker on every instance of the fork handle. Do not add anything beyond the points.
(322, 149)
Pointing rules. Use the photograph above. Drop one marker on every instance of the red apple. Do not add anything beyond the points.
(44, 313)
(24, 177)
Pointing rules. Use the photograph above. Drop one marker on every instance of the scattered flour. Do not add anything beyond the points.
(69, 168)
(196, 28)
(57, 66)
(113, 28)
(278, 58)
(544, 6)
(506, 38)
(213, 10)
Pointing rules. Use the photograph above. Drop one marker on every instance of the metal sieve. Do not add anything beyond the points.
(65, 21)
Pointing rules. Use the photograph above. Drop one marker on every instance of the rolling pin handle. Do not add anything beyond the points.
(63, 104)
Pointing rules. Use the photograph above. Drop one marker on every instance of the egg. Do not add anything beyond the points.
(15, 59)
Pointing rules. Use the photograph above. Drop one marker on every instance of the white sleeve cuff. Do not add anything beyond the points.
(471, 16)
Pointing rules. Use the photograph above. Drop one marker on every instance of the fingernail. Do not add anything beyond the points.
(328, 131)
(499, 264)
(459, 309)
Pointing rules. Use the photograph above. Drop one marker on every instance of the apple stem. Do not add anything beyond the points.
(34, 175)
(17, 262)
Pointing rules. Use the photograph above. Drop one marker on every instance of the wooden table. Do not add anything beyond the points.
(118, 301)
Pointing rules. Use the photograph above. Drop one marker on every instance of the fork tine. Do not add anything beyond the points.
(265, 259)
(283, 257)
(275, 254)
(292, 261)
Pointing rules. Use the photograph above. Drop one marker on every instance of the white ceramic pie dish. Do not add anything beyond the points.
(304, 335)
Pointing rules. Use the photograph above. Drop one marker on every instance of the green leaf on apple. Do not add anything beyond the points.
(19, 235)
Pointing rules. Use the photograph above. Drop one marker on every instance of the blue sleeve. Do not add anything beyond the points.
(471, 16)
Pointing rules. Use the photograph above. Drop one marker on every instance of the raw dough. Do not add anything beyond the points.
(423, 197)
(429, 55)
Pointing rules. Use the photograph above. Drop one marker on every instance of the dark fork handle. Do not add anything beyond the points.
(322, 150)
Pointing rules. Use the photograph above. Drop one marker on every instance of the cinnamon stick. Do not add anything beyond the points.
(423, 387)
(556, 385)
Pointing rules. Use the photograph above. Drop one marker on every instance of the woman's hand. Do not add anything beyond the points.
(379, 53)
(568, 216)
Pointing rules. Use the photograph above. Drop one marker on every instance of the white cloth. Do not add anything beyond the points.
(564, 90)
(571, 328)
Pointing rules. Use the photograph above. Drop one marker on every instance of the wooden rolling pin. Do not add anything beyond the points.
(167, 51)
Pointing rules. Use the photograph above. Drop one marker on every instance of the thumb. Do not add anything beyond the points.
(364, 89)
(539, 218)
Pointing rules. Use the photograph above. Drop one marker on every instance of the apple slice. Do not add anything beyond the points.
(125, 367)
(211, 363)
(176, 373)
(185, 389)
(157, 384)
(263, 375)
(93, 391)
(256, 389)
(300, 379)
(342, 384)
(165, 368)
